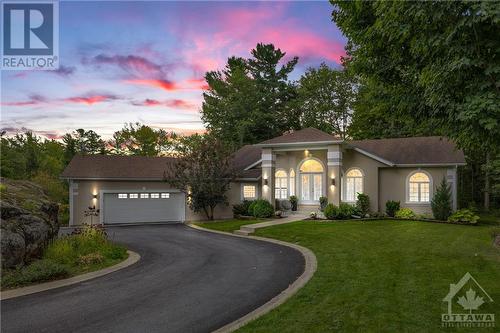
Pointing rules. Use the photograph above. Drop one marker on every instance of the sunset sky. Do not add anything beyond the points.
(145, 61)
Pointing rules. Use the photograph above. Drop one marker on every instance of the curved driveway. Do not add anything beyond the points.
(186, 281)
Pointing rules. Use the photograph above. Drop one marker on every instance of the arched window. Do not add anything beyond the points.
(292, 182)
(311, 166)
(281, 185)
(353, 184)
(419, 185)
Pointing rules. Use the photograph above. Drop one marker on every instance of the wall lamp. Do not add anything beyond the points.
(94, 196)
(266, 182)
(333, 182)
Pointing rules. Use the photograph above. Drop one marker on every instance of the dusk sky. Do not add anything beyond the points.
(145, 61)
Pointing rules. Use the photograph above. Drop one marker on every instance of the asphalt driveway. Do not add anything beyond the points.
(186, 281)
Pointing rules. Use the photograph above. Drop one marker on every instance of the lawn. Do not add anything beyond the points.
(382, 275)
(65, 257)
(227, 225)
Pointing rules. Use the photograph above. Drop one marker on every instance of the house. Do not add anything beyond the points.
(307, 163)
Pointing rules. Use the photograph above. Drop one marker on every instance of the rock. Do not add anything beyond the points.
(28, 222)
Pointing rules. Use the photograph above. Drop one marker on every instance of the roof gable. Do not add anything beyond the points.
(307, 135)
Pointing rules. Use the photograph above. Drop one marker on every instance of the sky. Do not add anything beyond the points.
(144, 62)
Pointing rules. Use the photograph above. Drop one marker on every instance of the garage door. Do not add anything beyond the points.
(133, 207)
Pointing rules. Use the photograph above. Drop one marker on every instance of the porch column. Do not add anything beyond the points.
(268, 170)
(333, 175)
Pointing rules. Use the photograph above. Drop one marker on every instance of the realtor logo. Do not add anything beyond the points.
(30, 38)
(464, 300)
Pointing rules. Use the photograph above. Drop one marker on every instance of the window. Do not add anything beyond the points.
(155, 195)
(311, 166)
(353, 184)
(249, 192)
(419, 185)
(281, 185)
(165, 195)
(122, 195)
(292, 182)
(133, 195)
(144, 195)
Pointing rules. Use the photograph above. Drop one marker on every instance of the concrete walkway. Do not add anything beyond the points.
(248, 229)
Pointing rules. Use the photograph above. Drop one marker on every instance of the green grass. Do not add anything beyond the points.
(65, 257)
(227, 225)
(382, 276)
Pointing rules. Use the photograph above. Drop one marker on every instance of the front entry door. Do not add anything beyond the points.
(311, 187)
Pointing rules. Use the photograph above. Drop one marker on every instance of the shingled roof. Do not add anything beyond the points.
(401, 151)
(116, 167)
(305, 135)
(414, 151)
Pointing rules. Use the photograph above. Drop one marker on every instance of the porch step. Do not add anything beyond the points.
(241, 232)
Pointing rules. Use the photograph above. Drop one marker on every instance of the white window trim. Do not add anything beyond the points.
(344, 184)
(407, 185)
(243, 194)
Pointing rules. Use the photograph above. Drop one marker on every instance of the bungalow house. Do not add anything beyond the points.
(308, 164)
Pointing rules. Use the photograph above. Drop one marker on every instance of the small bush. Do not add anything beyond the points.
(441, 202)
(363, 204)
(405, 213)
(346, 211)
(331, 211)
(242, 208)
(391, 207)
(294, 201)
(262, 208)
(251, 206)
(38, 271)
(323, 201)
(464, 216)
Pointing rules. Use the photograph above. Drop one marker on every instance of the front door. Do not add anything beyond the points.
(311, 187)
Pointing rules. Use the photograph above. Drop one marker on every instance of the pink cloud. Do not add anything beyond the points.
(235, 31)
(157, 83)
(130, 63)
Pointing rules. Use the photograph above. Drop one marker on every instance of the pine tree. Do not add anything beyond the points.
(441, 203)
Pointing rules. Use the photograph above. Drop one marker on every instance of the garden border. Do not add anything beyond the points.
(133, 257)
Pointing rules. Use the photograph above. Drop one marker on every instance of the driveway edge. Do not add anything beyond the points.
(133, 257)
(309, 270)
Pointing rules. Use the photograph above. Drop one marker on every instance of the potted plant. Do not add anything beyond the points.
(294, 201)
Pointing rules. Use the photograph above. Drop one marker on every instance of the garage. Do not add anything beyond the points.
(142, 207)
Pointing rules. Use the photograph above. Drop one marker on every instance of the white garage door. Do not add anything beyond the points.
(134, 207)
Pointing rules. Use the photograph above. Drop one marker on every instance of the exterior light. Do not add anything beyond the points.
(333, 181)
(94, 196)
(266, 182)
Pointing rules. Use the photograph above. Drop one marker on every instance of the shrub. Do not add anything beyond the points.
(346, 211)
(331, 211)
(464, 216)
(90, 259)
(363, 204)
(262, 208)
(251, 206)
(405, 213)
(323, 201)
(294, 201)
(441, 202)
(242, 208)
(38, 271)
(391, 207)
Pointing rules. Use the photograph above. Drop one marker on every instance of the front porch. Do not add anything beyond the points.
(308, 172)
